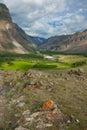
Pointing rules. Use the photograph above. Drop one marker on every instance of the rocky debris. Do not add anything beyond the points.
(38, 80)
(17, 100)
(20, 102)
(2, 102)
(77, 72)
(33, 74)
(42, 125)
(30, 80)
(2, 111)
(26, 113)
(46, 117)
(20, 128)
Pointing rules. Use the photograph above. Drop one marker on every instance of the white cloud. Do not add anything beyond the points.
(34, 15)
(1, 1)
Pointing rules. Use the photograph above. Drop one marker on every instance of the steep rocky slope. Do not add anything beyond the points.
(12, 37)
(76, 43)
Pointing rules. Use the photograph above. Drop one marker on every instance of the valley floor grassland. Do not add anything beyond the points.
(69, 91)
(37, 61)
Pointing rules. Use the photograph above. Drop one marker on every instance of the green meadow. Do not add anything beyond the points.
(37, 61)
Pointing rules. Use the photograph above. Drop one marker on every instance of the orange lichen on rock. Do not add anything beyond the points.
(49, 105)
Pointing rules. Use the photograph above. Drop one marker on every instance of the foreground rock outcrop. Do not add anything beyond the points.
(44, 118)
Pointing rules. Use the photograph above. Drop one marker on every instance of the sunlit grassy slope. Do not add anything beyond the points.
(25, 62)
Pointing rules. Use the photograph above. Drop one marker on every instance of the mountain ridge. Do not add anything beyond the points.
(73, 43)
(12, 38)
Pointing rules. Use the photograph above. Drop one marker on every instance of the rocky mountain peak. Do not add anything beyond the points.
(12, 38)
(4, 13)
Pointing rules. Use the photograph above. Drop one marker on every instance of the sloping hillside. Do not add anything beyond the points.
(12, 37)
(76, 43)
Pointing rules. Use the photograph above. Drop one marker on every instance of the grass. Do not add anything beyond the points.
(69, 94)
(18, 65)
(36, 61)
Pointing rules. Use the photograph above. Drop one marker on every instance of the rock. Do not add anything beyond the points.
(21, 128)
(77, 121)
(21, 98)
(77, 72)
(17, 115)
(44, 125)
(34, 73)
(21, 104)
(53, 113)
(49, 88)
(68, 121)
(51, 109)
(36, 114)
(31, 119)
(18, 100)
(49, 105)
(45, 118)
(26, 113)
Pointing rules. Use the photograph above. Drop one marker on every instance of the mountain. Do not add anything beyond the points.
(37, 40)
(75, 43)
(12, 37)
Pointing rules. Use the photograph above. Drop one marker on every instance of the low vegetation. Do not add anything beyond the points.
(37, 61)
(31, 80)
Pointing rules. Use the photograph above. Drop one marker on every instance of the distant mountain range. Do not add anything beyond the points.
(37, 40)
(75, 43)
(13, 39)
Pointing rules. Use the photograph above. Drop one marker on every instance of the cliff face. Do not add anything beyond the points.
(76, 43)
(12, 37)
(4, 13)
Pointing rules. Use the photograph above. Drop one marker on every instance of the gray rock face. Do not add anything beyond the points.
(12, 37)
(75, 43)
(4, 13)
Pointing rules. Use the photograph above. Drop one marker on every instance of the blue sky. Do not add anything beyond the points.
(46, 18)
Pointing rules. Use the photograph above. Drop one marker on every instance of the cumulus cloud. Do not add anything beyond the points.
(1, 1)
(82, 3)
(46, 18)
